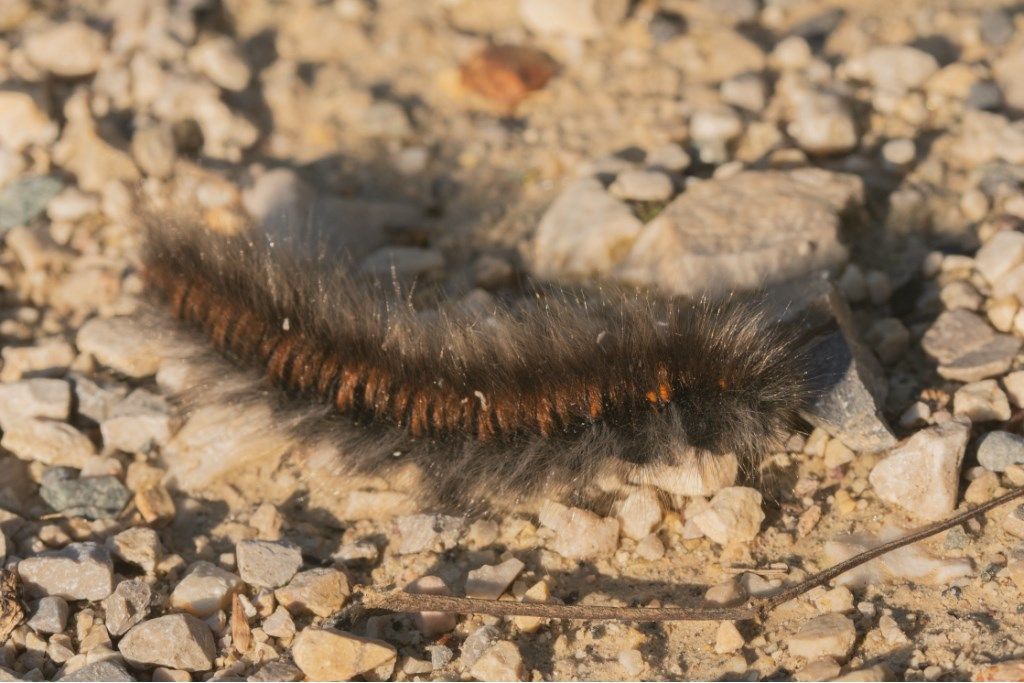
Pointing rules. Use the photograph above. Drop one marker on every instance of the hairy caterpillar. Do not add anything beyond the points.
(545, 396)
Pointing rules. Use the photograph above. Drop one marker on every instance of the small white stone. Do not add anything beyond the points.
(669, 157)
(756, 585)
(642, 186)
(69, 49)
(1000, 255)
(40, 397)
(894, 68)
(1013, 523)
(579, 534)
(715, 124)
(205, 589)
(816, 442)
(998, 450)
(922, 474)
(426, 533)
(639, 514)
(916, 415)
(51, 443)
(899, 151)
(137, 423)
(837, 454)
(824, 669)
(220, 60)
(321, 591)
(491, 581)
(1002, 312)
(23, 123)
(632, 661)
(500, 662)
(728, 638)
(577, 19)
(539, 592)
(585, 231)
(981, 401)
(139, 546)
(961, 294)
(974, 205)
(279, 624)
(907, 563)
(162, 674)
(790, 53)
(734, 514)
(728, 592)
(650, 548)
(746, 91)
(267, 564)
(331, 655)
(823, 124)
(121, 344)
(830, 635)
(891, 631)
(839, 599)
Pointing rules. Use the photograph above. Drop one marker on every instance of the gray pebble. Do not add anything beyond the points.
(477, 642)
(956, 539)
(51, 615)
(404, 262)
(23, 200)
(420, 533)
(277, 670)
(137, 423)
(984, 95)
(852, 383)
(154, 151)
(746, 91)
(90, 497)
(998, 450)
(966, 348)
(267, 564)
(127, 605)
(996, 26)
(664, 26)
(440, 656)
(177, 641)
(101, 670)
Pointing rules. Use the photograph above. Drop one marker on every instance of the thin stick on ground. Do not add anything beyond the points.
(400, 601)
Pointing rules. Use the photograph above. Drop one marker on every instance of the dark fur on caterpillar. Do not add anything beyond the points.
(547, 396)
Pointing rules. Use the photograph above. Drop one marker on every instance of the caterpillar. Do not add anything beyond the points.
(548, 395)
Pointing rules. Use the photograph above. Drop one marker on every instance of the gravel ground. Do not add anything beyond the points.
(690, 145)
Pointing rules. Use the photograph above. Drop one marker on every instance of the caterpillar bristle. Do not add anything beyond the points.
(544, 397)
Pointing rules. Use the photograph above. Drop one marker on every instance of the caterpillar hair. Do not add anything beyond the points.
(549, 395)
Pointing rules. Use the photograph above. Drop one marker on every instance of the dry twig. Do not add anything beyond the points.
(400, 601)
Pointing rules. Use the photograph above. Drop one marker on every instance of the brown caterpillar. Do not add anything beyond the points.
(545, 396)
